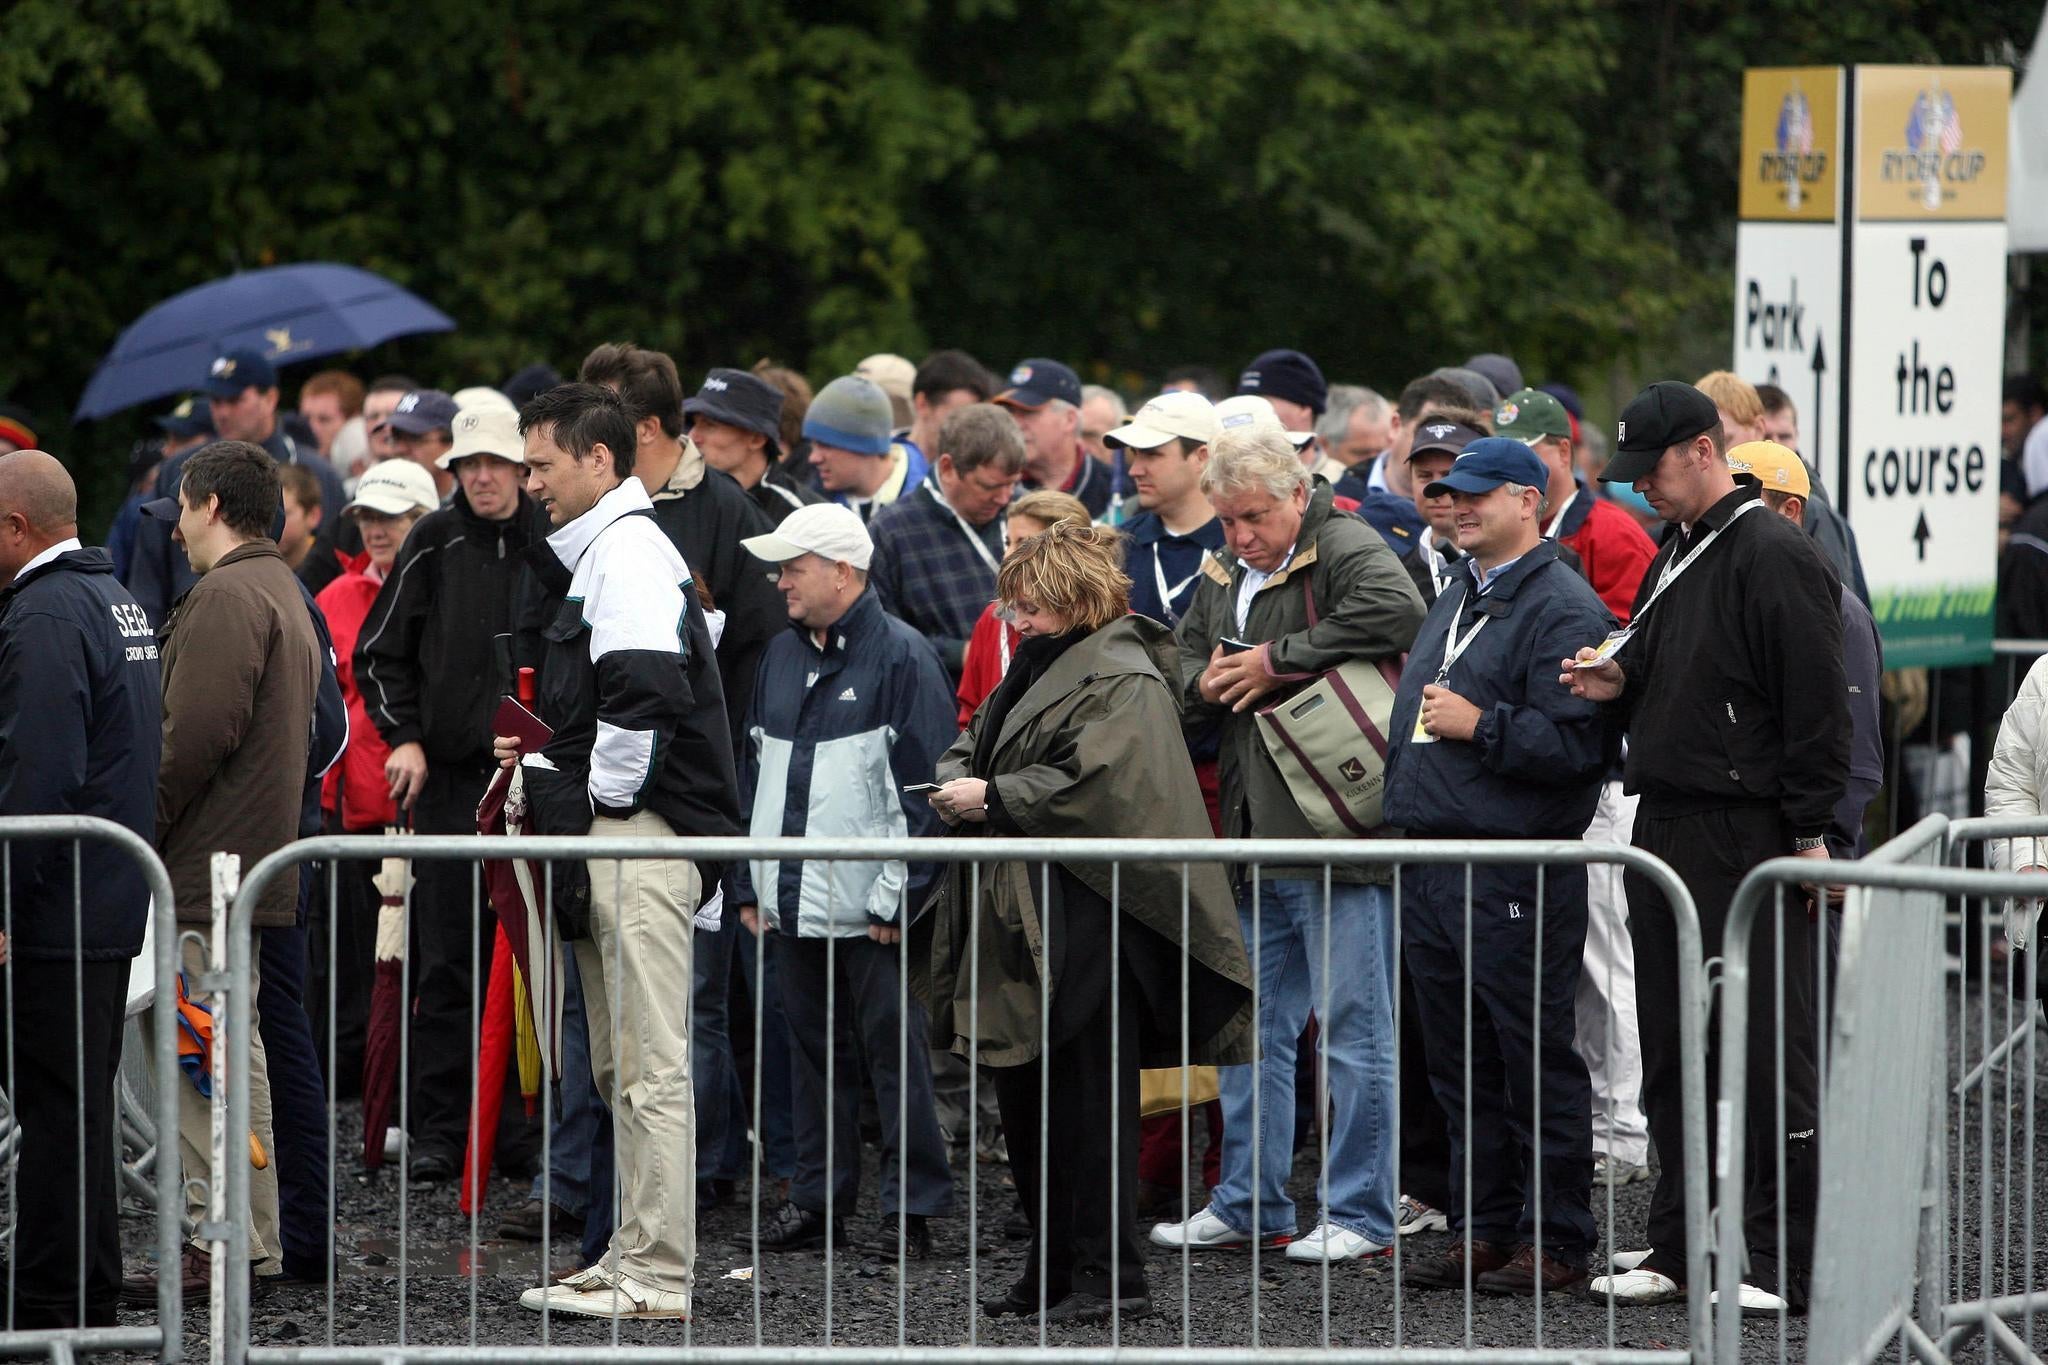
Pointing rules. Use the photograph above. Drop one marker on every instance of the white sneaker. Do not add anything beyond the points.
(1752, 1300)
(1205, 1229)
(1328, 1242)
(597, 1293)
(1638, 1287)
(1411, 1216)
(1629, 1260)
(1623, 1172)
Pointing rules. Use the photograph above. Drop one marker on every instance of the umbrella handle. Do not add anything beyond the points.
(258, 1158)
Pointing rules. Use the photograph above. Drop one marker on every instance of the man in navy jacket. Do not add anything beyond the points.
(1486, 745)
(850, 708)
(80, 733)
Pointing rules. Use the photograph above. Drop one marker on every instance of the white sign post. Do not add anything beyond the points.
(1788, 327)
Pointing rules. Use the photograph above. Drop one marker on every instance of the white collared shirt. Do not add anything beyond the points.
(60, 548)
(1254, 579)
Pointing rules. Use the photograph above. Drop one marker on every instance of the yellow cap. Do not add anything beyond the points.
(1778, 468)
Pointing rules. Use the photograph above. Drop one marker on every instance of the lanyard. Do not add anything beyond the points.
(1550, 531)
(1454, 648)
(1166, 594)
(1675, 567)
(973, 537)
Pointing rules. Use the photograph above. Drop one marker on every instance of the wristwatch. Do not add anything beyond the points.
(1808, 845)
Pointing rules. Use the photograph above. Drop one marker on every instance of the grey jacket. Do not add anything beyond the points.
(1366, 607)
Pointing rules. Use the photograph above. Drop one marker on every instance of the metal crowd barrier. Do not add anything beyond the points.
(1356, 1331)
(1912, 1253)
(154, 1176)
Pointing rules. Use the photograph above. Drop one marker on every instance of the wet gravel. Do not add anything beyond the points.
(454, 1290)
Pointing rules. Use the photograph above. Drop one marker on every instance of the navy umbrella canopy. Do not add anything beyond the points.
(289, 313)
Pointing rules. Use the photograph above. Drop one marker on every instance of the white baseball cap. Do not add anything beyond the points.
(1172, 416)
(1249, 412)
(824, 529)
(487, 430)
(395, 487)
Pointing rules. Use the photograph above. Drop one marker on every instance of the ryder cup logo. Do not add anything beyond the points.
(1795, 140)
(1020, 376)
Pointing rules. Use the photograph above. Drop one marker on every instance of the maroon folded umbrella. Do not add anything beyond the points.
(518, 887)
(387, 1008)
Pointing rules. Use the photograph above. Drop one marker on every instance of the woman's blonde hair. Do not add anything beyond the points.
(1050, 507)
(1734, 395)
(1076, 571)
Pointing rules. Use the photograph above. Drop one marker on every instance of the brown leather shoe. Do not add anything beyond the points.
(1526, 1270)
(1446, 1269)
(195, 1270)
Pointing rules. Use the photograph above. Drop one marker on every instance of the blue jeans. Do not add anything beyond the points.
(580, 1116)
(721, 1108)
(298, 1092)
(1287, 945)
(777, 1134)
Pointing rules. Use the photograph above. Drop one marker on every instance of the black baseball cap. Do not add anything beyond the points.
(1440, 433)
(1286, 374)
(738, 399)
(422, 411)
(1038, 381)
(1669, 412)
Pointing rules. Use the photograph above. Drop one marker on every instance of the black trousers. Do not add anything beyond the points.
(347, 967)
(1711, 851)
(63, 1017)
(866, 1019)
(1425, 1140)
(452, 920)
(1082, 1223)
(298, 1092)
(1526, 1075)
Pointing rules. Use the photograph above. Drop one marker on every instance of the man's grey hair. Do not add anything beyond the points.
(1092, 392)
(1245, 461)
(1334, 426)
(1515, 490)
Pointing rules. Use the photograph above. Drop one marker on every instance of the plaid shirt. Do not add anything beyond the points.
(929, 574)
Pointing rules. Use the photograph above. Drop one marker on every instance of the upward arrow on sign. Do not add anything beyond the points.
(1920, 535)
(1820, 368)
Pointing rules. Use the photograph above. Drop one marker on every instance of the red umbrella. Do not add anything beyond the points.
(494, 1055)
(387, 1007)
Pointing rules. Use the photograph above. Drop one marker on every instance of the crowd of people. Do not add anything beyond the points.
(922, 600)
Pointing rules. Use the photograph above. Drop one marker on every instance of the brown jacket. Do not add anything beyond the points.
(241, 668)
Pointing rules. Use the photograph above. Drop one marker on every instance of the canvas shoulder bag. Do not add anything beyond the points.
(1329, 741)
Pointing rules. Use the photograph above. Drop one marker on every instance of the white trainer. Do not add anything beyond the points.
(1752, 1300)
(1328, 1242)
(598, 1293)
(1205, 1229)
(1411, 1216)
(1626, 1261)
(1638, 1287)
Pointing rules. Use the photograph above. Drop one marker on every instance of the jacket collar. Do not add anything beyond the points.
(263, 547)
(1123, 646)
(570, 542)
(68, 555)
(846, 634)
(1499, 599)
(688, 473)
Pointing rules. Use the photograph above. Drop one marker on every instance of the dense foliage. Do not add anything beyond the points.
(1131, 184)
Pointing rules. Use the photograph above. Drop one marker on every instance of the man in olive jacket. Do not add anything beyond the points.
(1306, 588)
(241, 670)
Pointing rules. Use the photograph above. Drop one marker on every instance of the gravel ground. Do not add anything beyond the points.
(1207, 1302)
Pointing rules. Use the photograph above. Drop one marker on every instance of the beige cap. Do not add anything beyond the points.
(395, 487)
(1176, 415)
(891, 373)
(483, 396)
(485, 431)
(824, 529)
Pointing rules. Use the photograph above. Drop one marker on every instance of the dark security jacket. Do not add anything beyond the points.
(80, 729)
(706, 514)
(1533, 767)
(428, 662)
(1735, 691)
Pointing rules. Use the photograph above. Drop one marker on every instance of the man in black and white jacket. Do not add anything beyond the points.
(640, 750)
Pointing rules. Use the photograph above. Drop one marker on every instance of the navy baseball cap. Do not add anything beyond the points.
(236, 371)
(1034, 383)
(738, 399)
(1441, 433)
(422, 411)
(190, 418)
(1286, 374)
(1488, 463)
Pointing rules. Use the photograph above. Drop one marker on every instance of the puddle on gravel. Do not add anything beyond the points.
(378, 1256)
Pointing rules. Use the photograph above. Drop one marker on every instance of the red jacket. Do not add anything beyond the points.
(356, 786)
(1615, 551)
(988, 657)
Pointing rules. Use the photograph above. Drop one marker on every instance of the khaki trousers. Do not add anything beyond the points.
(635, 969)
(195, 1120)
